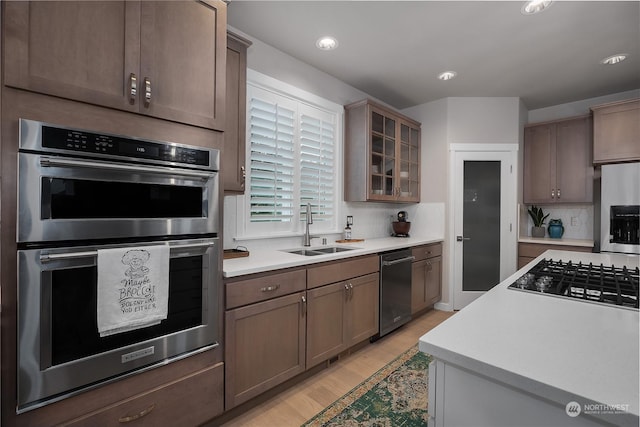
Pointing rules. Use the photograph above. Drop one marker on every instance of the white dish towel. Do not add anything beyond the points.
(133, 288)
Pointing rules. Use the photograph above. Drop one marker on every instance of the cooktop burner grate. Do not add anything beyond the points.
(588, 282)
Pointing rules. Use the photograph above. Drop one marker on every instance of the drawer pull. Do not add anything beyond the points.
(140, 414)
(270, 288)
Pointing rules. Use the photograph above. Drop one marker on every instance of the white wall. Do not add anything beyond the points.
(577, 108)
(484, 120)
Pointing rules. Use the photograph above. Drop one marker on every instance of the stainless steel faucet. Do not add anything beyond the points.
(309, 219)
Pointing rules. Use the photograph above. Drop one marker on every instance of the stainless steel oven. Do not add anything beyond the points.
(80, 192)
(60, 350)
(77, 185)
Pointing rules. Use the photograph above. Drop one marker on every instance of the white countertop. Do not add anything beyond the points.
(559, 349)
(273, 259)
(549, 241)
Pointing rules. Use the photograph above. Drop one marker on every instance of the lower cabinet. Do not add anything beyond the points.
(527, 252)
(189, 401)
(341, 315)
(426, 277)
(265, 346)
(279, 324)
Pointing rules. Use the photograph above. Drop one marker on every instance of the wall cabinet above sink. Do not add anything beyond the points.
(382, 154)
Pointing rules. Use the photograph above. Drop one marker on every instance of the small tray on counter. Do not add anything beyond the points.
(238, 252)
(349, 240)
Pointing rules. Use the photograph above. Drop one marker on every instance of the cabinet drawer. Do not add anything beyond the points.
(532, 250)
(265, 287)
(341, 270)
(189, 401)
(427, 251)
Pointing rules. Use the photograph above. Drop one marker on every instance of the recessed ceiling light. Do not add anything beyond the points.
(447, 75)
(535, 6)
(614, 59)
(327, 43)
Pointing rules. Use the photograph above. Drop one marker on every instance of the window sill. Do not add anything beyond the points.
(285, 235)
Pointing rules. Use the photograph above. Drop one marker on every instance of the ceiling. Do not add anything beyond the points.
(394, 50)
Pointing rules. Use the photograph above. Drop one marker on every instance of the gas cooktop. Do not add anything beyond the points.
(586, 282)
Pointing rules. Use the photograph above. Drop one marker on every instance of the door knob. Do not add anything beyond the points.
(460, 238)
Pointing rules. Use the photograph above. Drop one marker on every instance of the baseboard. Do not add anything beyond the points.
(443, 306)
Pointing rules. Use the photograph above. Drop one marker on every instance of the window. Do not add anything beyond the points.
(292, 157)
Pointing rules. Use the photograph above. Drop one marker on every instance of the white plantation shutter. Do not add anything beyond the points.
(271, 178)
(317, 182)
(292, 157)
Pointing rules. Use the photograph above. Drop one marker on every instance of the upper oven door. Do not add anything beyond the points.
(67, 198)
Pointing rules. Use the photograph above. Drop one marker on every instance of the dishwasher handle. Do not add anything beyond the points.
(398, 261)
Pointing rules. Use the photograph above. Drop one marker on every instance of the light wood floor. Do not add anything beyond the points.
(301, 402)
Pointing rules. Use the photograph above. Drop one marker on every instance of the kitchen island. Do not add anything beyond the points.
(515, 358)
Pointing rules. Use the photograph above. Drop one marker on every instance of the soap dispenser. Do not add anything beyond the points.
(347, 229)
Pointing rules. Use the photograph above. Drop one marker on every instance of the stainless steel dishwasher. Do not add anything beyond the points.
(395, 289)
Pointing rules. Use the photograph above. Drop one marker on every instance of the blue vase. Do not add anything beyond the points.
(556, 229)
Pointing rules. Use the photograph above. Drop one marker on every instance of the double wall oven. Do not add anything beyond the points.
(79, 192)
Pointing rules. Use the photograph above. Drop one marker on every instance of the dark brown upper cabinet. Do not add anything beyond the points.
(558, 163)
(162, 59)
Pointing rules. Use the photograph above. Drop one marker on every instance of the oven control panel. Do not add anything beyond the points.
(94, 143)
(56, 139)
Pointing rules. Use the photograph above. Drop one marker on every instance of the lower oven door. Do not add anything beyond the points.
(60, 351)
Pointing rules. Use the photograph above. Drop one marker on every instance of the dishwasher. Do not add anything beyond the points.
(395, 289)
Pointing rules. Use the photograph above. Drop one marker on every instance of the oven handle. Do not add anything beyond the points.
(85, 254)
(48, 162)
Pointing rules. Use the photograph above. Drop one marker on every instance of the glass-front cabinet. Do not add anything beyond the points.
(382, 154)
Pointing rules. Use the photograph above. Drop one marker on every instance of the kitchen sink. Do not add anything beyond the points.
(333, 250)
(319, 251)
(305, 252)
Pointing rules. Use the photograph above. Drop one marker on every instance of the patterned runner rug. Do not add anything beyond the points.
(396, 395)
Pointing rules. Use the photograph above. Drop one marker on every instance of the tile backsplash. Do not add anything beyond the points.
(577, 220)
(371, 221)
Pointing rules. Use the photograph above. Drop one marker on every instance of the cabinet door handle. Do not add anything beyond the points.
(350, 291)
(304, 305)
(429, 266)
(553, 194)
(147, 92)
(270, 288)
(129, 418)
(133, 88)
(558, 193)
(346, 291)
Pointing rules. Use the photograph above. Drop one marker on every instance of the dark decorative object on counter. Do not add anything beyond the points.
(402, 226)
(555, 228)
(538, 217)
